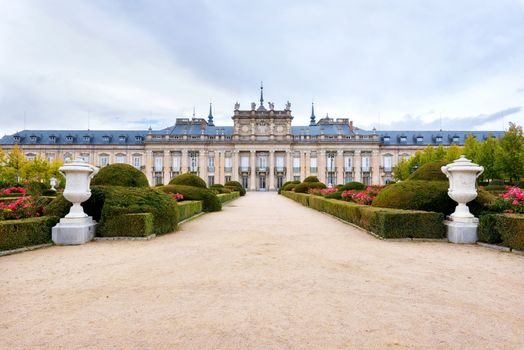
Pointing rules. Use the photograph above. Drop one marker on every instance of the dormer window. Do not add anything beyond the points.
(438, 139)
(87, 138)
(138, 138)
(403, 139)
(105, 139)
(420, 139)
(69, 138)
(17, 138)
(386, 139)
(52, 138)
(33, 138)
(122, 138)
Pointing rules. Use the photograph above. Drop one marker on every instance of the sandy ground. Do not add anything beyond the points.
(265, 273)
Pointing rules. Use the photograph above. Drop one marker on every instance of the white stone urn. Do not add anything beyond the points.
(78, 175)
(462, 175)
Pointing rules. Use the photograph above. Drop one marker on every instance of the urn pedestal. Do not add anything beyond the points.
(76, 227)
(462, 175)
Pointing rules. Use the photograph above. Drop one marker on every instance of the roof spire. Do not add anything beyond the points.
(261, 94)
(193, 111)
(312, 119)
(210, 116)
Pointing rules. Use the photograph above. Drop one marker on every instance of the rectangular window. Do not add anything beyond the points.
(137, 162)
(388, 163)
(50, 157)
(104, 160)
(280, 162)
(228, 162)
(296, 178)
(159, 163)
(365, 163)
(176, 159)
(120, 158)
(193, 161)
(296, 164)
(348, 163)
(84, 157)
(313, 165)
(210, 180)
(211, 162)
(227, 178)
(244, 162)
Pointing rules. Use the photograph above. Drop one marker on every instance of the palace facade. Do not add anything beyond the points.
(261, 150)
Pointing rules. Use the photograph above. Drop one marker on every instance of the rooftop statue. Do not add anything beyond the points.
(271, 105)
(237, 106)
(253, 106)
(288, 106)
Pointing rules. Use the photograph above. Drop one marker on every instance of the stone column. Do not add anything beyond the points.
(375, 168)
(166, 162)
(202, 164)
(321, 166)
(271, 172)
(289, 165)
(184, 162)
(252, 164)
(302, 165)
(308, 163)
(148, 163)
(219, 167)
(234, 165)
(357, 166)
(340, 167)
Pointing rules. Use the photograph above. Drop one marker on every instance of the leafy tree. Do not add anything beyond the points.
(471, 148)
(402, 170)
(510, 156)
(452, 153)
(487, 157)
(36, 169)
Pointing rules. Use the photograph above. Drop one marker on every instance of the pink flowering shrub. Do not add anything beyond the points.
(362, 197)
(177, 196)
(321, 191)
(21, 208)
(12, 191)
(512, 201)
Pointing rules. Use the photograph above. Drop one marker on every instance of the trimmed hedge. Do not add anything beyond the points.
(129, 225)
(386, 223)
(108, 202)
(288, 186)
(311, 179)
(507, 229)
(219, 188)
(26, 232)
(430, 172)
(353, 185)
(209, 198)
(188, 180)
(226, 197)
(187, 209)
(123, 175)
(236, 186)
(305, 186)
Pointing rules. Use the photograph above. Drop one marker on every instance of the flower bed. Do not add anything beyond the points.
(13, 191)
(362, 197)
(512, 201)
(22, 208)
(322, 191)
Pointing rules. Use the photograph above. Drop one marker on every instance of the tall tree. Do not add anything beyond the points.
(510, 156)
(471, 148)
(487, 157)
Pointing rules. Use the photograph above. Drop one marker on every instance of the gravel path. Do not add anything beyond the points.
(265, 273)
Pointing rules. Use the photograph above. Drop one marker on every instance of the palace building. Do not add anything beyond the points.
(262, 149)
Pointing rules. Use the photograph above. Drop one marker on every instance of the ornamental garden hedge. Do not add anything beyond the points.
(26, 232)
(123, 175)
(188, 180)
(504, 229)
(384, 222)
(236, 186)
(209, 198)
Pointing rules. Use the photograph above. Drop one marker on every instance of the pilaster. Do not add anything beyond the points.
(357, 166)
(271, 172)
(340, 166)
(252, 164)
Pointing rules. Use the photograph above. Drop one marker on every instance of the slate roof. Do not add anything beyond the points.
(76, 137)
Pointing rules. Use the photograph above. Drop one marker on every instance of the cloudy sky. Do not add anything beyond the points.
(387, 64)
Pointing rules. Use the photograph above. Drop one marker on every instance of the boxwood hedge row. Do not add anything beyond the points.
(26, 232)
(384, 222)
(506, 229)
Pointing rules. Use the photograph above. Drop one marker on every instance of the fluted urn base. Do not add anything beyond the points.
(74, 231)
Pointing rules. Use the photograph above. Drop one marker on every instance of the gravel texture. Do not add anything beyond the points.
(265, 273)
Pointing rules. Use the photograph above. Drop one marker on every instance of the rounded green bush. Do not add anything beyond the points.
(416, 195)
(219, 188)
(188, 180)
(120, 175)
(305, 186)
(334, 195)
(289, 187)
(236, 186)
(210, 200)
(429, 172)
(311, 179)
(353, 185)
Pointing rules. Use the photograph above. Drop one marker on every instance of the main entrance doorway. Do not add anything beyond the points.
(262, 182)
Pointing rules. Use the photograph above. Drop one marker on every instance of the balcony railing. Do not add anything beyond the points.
(228, 169)
(280, 169)
(348, 169)
(262, 169)
(366, 169)
(244, 169)
(175, 169)
(331, 169)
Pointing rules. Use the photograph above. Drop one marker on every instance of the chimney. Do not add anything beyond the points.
(350, 125)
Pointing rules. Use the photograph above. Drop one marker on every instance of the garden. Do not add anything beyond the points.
(416, 205)
(122, 202)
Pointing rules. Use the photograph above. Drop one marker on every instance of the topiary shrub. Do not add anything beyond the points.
(188, 180)
(120, 175)
(236, 186)
(334, 195)
(483, 203)
(429, 172)
(416, 195)
(218, 189)
(288, 186)
(311, 179)
(305, 186)
(353, 185)
(26, 232)
(209, 198)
